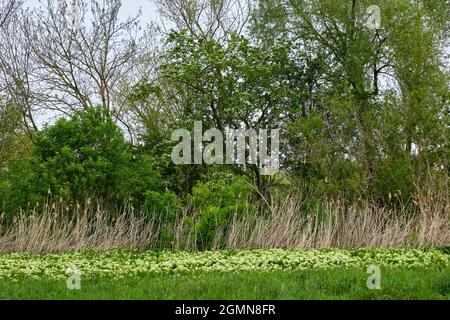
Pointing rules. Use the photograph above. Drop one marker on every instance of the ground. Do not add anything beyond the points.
(257, 274)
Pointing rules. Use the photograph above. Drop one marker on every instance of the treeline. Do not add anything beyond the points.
(363, 112)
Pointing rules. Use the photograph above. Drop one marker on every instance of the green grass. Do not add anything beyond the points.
(339, 284)
(256, 274)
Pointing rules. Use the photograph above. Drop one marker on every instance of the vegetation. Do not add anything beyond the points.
(336, 284)
(289, 224)
(88, 109)
(261, 274)
(363, 114)
(123, 264)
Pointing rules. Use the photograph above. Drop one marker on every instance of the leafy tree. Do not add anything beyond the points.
(215, 201)
(379, 91)
(84, 157)
(230, 84)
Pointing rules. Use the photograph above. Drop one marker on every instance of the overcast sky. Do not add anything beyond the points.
(129, 8)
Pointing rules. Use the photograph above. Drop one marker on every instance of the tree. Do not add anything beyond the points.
(226, 84)
(212, 19)
(7, 9)
(363, 112)
(84, 157)
(269, 22)
(19, 101)
(54, 66)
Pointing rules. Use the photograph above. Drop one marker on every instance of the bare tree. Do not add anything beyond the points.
(16, 114)
(65, 56)
(7, 9)
(207, 18)
(15, 82)
(81, 65)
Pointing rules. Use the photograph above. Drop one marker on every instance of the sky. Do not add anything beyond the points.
(129, 8)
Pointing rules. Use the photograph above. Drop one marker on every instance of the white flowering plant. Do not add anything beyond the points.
(120, 264)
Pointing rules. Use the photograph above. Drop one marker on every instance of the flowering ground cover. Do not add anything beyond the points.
(256, 274)
(124, 264)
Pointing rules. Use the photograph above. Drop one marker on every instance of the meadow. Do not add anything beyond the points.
(253, 274)
(135, 157)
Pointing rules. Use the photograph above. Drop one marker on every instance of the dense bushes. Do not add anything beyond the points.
(214, 202)
(73, 160)
(362, 115)
(87, 157)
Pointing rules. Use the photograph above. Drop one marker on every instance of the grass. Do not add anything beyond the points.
(229, 275)
(288, 223)
(336, 284)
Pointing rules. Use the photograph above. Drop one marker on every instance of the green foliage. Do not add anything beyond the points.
(363, 114)
(225, 82)
(166, 204)
(84, 157)
(215, 201)
(122, 264)
(357, 138)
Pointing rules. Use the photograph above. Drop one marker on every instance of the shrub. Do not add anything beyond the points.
(83, 157)
(215, 201)
(166, 205)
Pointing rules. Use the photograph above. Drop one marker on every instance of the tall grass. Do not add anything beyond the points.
(363, 225)
(55, 228)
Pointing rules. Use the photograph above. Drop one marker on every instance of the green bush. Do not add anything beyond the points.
(86, 156)
(80, 158)
(166, 205)
(215, 201)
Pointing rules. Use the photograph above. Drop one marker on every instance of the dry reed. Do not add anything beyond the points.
(56, 228)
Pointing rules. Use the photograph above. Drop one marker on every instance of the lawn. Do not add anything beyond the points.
(258, 274)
